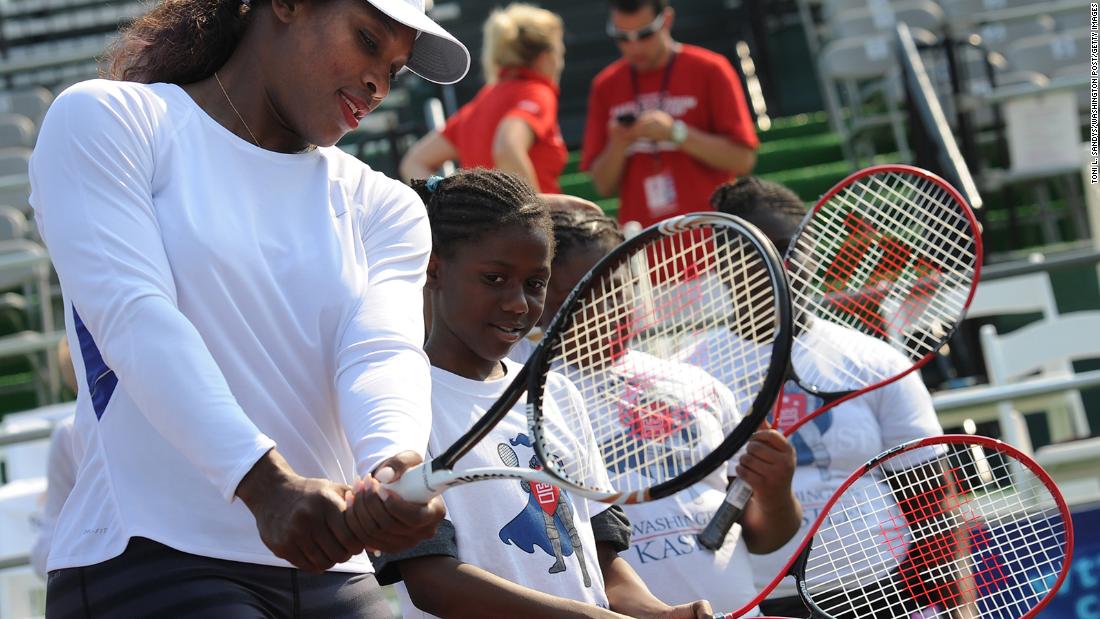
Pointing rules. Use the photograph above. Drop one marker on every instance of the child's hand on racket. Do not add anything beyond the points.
(382, 520)
(768, 465)
(300, 519)
(773, 514)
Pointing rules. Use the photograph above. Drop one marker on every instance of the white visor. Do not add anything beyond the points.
(436, 55)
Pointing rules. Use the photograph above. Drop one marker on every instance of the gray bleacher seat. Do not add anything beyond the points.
(996, 36)
(966, 10)
(14, 184)
(830, 8)
(16, 130)
(921, 14)
(1050, 53)
(13, 223)
(1067, 20)
(52, 41)
(974, 68)
(95, 16)
(30, 102)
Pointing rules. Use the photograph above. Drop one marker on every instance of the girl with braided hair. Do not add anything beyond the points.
(511, 548)
(243, 303)
(663, 550)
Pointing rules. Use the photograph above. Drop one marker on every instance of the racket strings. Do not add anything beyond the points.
(974, 534)
(891, 256)
(649, 410)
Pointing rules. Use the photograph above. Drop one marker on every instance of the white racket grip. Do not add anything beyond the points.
(414, 485)
(725, 516)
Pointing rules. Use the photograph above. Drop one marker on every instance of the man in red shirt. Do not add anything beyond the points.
(667, 123)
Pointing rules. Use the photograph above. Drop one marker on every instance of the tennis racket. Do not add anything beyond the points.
(648, 299)
(883, 266)
(951, 526)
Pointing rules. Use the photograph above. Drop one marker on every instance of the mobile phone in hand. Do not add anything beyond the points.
(626, 119)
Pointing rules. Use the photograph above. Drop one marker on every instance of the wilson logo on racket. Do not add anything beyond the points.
(972, 528)
(884, 259)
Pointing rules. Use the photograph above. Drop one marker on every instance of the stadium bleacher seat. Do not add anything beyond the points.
(998, 35)
(13, 223)
(15, 187)
(16, 131)
(921, 14)
(30, 102)
(1051, 53)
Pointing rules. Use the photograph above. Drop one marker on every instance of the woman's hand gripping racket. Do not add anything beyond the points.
(885, 263)
(944, 527)
(656, 294)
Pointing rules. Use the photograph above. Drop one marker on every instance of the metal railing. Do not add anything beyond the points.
(926, 104)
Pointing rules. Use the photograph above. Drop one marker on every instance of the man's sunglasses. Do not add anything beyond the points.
(641, 34)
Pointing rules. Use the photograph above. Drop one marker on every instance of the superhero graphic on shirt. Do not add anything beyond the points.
(808, 443)
(547, 519)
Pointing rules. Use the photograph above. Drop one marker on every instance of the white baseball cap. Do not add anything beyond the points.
(436, 55)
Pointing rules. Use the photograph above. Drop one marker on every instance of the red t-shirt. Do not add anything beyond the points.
(520, 93)
(705, 93)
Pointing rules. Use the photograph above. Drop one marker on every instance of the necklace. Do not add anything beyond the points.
(234, 108)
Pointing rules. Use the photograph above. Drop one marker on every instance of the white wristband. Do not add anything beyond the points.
(679, 131)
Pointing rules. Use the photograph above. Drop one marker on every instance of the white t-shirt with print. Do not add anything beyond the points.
(842, 439)
(663, 548)
(523, 532)
(664, 551)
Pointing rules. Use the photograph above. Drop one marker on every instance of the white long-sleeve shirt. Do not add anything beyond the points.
(221, 299)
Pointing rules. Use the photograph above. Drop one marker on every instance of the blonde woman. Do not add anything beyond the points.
(512, 123)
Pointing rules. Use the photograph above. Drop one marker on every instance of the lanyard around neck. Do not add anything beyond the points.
(665, 79)
(660, 96)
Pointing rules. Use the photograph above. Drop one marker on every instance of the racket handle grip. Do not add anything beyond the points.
(413, 485)
(727, 514)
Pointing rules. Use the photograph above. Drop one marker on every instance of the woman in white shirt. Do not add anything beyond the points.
(243, 302)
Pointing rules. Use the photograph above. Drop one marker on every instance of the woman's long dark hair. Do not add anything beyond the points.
(178, 41)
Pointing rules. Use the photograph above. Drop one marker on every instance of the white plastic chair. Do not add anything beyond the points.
(846, 64)
(1046, 347)
(1031, 294)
